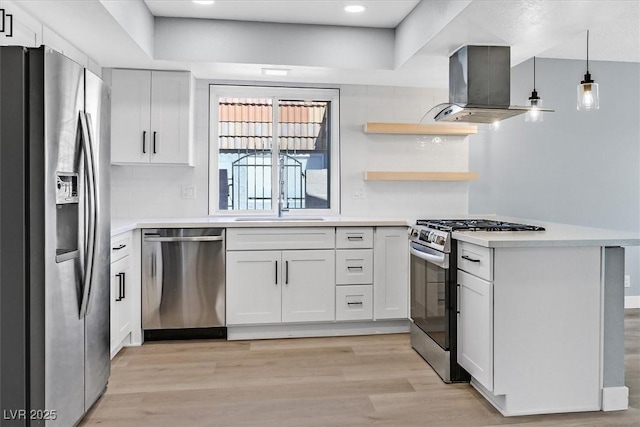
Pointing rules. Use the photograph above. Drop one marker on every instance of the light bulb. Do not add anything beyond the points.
(534, 114)
(588, 96)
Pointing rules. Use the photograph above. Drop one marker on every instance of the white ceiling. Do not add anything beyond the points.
(378, 13)
(542, 28)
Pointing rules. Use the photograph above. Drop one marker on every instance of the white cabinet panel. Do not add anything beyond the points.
(20, 29)
(151, 117)
(475, 328)
(130, 116)
(125, 292)
(280, 286)
(354, 237)
(354, 266)
(391, 273)
(354, 302)
(476, 260)
(170, 121)
(308, 293)
(120, 246)
(280, 238)
(121, 303)
(254, 284)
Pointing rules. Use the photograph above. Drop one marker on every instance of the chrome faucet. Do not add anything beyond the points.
(281, 196)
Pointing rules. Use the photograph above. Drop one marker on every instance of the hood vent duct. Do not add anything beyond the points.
(480, 86)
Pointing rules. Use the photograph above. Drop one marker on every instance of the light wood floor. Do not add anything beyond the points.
(345, 381)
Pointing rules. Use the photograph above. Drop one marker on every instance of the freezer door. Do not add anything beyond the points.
(97, 360)
(57, 231)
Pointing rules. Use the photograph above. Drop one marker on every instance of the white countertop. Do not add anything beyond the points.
(121, 225)
(554, 235)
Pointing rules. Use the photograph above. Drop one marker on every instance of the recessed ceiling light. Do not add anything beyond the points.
(204, 1)
(275, 71)
(354, 8)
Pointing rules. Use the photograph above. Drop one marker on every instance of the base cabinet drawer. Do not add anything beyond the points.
(354, 237)
(476, 260)
(354, 266)
(354, 302)
(120, 246)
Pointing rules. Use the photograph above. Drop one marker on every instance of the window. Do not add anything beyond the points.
(249, 173)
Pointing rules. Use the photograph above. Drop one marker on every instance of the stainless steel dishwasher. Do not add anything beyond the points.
(183, 283)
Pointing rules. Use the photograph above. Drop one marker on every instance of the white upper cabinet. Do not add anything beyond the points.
(17, 28)
(151, 117)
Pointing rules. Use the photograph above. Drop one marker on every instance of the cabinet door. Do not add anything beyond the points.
(253, 287)
(391, 273)
(130, 116)
(20, 29)
(121, 309)
(308, 292)
(475, 327)
(170, 97)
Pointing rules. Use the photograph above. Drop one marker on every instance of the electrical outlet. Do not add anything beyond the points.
(359, 193)
(188, 192)
(627, 281)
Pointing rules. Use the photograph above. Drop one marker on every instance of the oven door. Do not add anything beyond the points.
(430, 292)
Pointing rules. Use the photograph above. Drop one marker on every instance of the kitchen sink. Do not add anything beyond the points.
(276, 218)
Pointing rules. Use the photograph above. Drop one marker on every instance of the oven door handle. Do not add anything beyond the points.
(435, 257)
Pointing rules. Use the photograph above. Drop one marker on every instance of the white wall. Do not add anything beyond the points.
(575, 167)
(155, 191)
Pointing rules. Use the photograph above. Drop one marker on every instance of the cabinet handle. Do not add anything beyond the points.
(122, 246)
(354, 267)
(119, 287)
(154, 142)
(2, 17)
(10, 17)
(354, 303)
(286, 272)
(458, 296)
(470, 259)
(144, 142)
(276, 272)
(124, 285)
(351, 238)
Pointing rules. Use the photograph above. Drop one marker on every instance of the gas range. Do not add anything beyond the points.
(436, 233)
(434, 289)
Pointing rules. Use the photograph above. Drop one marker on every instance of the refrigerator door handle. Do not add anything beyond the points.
(89, 169)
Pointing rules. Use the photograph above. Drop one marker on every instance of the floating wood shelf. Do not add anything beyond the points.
(413, 129)
(419, 176)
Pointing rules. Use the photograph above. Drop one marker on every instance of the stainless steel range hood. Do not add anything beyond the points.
(480, 86)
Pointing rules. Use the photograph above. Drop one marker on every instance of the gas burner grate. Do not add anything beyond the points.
(476, 225)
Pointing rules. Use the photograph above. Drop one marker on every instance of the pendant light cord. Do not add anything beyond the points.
(534, 73)
(587, 51)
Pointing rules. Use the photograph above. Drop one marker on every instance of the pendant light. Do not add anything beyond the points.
(588, 98)
(534, 114)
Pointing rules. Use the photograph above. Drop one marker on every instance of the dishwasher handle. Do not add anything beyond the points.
(184, 239)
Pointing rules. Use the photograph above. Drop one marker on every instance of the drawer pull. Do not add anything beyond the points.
(355, 267)
(352, 238)
(122, 246)
(354, 303)
(470, 259)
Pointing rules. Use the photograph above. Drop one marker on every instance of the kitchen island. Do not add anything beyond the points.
(541, 323)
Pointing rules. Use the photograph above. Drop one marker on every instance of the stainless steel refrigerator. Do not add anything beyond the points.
(54, 238)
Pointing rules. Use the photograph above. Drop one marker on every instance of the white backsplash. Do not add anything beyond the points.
(156, 191)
